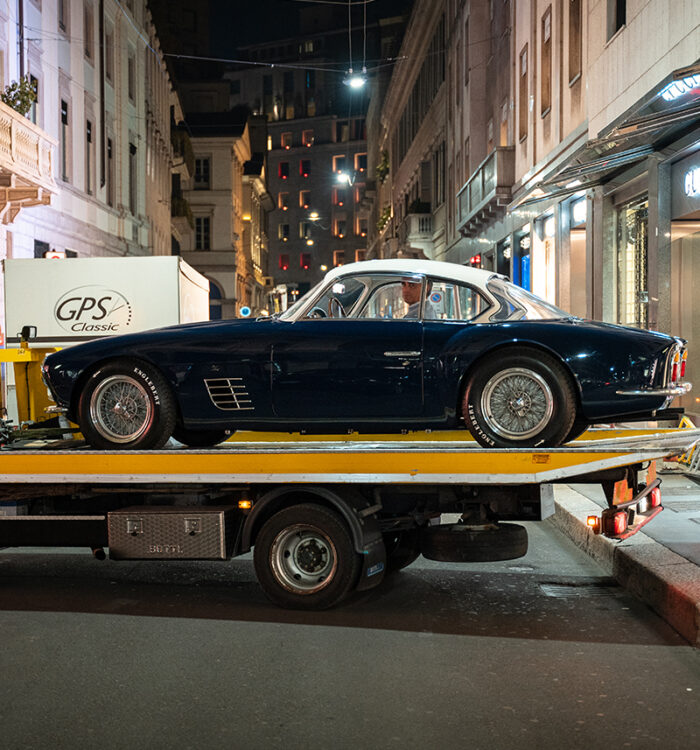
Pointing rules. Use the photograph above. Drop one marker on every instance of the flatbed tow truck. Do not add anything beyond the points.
(324, 515)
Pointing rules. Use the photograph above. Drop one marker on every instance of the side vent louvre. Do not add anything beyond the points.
(229, 394)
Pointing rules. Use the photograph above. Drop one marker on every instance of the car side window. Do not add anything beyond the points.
(449, 300)
(386, 301)
(345, 291)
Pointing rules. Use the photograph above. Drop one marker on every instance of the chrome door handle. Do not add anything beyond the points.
(402, 354)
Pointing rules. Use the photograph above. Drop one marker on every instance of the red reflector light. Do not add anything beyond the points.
(674, 373)
(620, 522)
(655, 497)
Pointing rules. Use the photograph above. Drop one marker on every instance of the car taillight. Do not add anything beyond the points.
(655, 496)
(675, 367)
(684, 359)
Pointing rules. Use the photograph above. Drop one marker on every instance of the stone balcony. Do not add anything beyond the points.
(26, 164)
(488, 191)
(416, 234)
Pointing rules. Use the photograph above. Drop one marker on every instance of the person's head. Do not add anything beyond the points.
(410, 291)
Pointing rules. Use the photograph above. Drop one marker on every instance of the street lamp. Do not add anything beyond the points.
(356, 80)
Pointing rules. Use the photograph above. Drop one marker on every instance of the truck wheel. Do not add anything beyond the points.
(199, 438)
(304, 558)
(126, 404)
(459, 543)
(519, 399)
(402, 548)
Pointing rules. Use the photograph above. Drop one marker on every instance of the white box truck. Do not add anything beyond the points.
(78, 299)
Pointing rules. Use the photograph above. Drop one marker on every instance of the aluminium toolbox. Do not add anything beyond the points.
(171, 532)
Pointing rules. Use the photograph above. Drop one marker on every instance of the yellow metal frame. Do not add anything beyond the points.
(32, 396)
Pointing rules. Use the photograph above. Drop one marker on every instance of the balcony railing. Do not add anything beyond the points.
(26, 164)
(488, 191)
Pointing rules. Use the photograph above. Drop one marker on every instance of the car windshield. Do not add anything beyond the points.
(290, 312)
(516, 303)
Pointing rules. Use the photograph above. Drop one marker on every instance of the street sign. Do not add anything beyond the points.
(245, 312)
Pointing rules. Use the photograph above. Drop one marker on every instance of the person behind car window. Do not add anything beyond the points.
(410, 291)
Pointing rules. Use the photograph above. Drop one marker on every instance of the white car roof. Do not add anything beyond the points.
(450, 271)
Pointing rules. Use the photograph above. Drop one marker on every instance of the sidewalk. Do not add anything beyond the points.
(661, 564)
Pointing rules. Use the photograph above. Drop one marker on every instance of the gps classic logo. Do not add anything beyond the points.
(93, 309)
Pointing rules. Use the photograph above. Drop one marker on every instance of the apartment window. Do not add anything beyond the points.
(283, 170)
(361, 226)
(63, 14)
(235, 87)
(88, 31)
(617, 16)
(503, 140)
(201, 174)
(202, 233)
(466, 52)
(304, 230)
(546, 53)
(307, 138)
(286, 140)
(361, 254)
(132, 178)
(283, 201)
(360, 162)
(305, 261)
(340, 227)
(305, 167)
(65, 133)
(575, 37)
(305, 198)
(489, 135)
(110, 173)
(33, 109)
(359, 191)
(342, 131)
(340, 196)
(338, 257)
(522, 95)
(109, 55)
(288, 82)
(131, 77)
(283, 232)
(88, 158)
(339, 164)
(284, 262)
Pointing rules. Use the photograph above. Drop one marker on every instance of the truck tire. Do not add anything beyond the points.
(402, 548)
(305, 559)
(126, 404)
(459, 543)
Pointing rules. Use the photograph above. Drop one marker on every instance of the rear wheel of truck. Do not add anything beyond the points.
(305, 559)
(460, 543)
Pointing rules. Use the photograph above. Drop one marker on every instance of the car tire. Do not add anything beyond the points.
(519, 399)
(199, 438)
(577, 429)
(305, 559)
(402, 548)
(459, 543)
(126, 404)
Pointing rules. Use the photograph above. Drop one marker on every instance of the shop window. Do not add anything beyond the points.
(546, 63)
(284, 262)
(522, 95)
(305, 198)
(305, 167)
(283, 170)
(360, 162)
(286, 140)
(283, 201)
(338, 257)
(521, 259)
(307, 138)
(632, 272)
(305, 261)
(283, 232)
(201, 174)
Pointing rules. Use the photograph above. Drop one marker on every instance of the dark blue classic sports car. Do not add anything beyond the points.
(378, 346)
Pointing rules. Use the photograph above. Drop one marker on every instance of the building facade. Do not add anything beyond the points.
(571, 139)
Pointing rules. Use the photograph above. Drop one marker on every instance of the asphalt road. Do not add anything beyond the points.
(539, 652)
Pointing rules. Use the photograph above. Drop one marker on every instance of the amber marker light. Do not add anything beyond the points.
(245, 504)
(593, 523)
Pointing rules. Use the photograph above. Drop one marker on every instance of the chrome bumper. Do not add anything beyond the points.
(673, 390)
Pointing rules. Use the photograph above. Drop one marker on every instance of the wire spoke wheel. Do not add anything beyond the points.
(303, 559)
(121, 409)
(517, 402)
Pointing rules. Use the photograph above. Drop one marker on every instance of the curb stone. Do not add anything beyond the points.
(665, 581)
